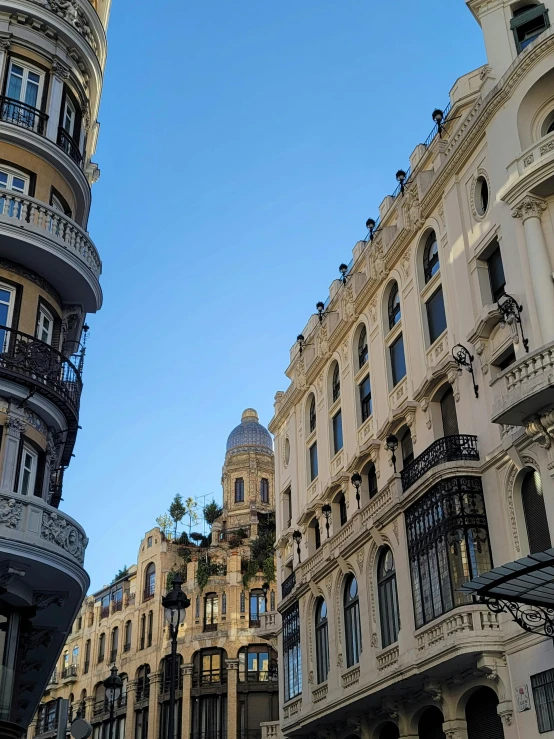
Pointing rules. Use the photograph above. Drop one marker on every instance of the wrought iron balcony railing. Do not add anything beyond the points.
(210, 626)
(142, 692)
(254, 623)
(69, 671)
(460, 448)
(41, 366)
(104, 612)
(165, 684)
(21, 114)
(205, 679)
(70, 146)
(288, 585)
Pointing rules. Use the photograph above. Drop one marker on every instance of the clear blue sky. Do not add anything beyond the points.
(243, 145)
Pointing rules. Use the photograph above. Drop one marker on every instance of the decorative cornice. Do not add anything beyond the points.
(529, 207)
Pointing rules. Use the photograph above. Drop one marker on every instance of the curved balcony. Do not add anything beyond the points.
(70, 146)
(53, 245)
(21, 114)
(460, 448)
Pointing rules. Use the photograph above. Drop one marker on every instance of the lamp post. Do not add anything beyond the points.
(356, 480)
(112, 687)
(174, 604)
(391, 443)
(297, 536)
(326, 511)
(401, 179)
(464, 358)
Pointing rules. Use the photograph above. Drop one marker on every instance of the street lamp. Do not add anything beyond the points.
(356, 480)
(326, 511)
(112, 687)
(297, 536)
(265, 591)
(401, 179)
(464, 358)
(391, 443)
(174, 604)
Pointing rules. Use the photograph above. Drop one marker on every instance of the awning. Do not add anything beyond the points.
(524, 589)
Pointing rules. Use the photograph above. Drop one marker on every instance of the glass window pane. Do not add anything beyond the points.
(398, 361)
(436, 316)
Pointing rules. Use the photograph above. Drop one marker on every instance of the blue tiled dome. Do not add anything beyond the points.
(249, 433)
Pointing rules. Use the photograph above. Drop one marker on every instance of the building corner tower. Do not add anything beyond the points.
(52, 57)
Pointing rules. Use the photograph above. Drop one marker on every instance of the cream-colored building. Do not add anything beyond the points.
(378, 639)
(228, 668)
(52, 59)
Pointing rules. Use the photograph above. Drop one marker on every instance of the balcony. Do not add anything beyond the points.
(53, 245)
(460, 448)
(211, 678)
(104, 612)
(142, 692)
(253, 623)
(69, 672)
(270, 624)
(70, 147)
(23, 115)
(210, 626)
(524, 389)
(288, 585)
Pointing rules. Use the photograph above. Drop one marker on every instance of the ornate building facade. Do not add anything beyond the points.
(227, 647)
(414, 446)
(52, 57)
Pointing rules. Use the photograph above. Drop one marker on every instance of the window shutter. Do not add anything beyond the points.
(534, 510)
(483, 722)
(448, 412)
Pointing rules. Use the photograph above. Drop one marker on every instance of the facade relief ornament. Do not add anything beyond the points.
(510, 481)
(529, 207)
(329, 583)
(15, 426)
(5, 43)
(10, 512)
(60, 70)
(360, 561)
(395, 530)
(70, 12)
(380, 271)
(58, 530)
(441, 214)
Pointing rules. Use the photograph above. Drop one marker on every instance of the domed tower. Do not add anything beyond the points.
(52, 58)
(248, 474)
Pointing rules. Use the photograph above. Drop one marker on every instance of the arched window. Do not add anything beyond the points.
(211, 612)
(143, 683)
(395, 313)
(115, 644)
(431, 263)
(389, 731)
(150, 581)
(483, 721)
(372, 482)
(536, 522)
(352, 621)
(343, 512)
(388, 599)
(430, 724)
(257, 607)
(101, 647)
(363, 353)
(239, 490)
(407, 449)
(335, 389)
(257, 664)
(550, 128)
(313, 417)
(321, 640)
(448, 413)
(128, 636)
(264, 490)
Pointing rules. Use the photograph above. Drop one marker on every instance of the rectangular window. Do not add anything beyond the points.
(448, 545)
(543, 696)
(313, 461)
(528, 23)
(397, 360)
(7, 296)
(27, 471)
(264, 490)
(496, 274)
(45, 325)
(68, 119)
(436, 316)
(292, 655)
(337, 432)
(14, 182)
(239, 490)
(366, 404)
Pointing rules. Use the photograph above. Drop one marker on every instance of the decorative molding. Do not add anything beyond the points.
(59, 69)
(510, 482)
(10, 512)
(529, 207)
(58, 530)
(22, 271)
(70, 12)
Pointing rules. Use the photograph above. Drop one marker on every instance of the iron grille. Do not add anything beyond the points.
(462, 447)
(21, 114)
(288, 585)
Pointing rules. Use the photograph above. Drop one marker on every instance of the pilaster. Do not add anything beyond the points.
(5, 42)
(154, 706)
(186, 717)
(59, 73)
(15, 426)
(232, 681)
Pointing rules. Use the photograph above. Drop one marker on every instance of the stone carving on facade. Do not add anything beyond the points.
(453, 379)
(510, 481)
(541, 429)
(70, 12)
(5, 42)
(472, 192)
(339, 659)
(433, 690)
(35, 421)
(360, 561)
(329, 583)
(58, 530)
(10, 512)
(374, 640)
(441, 214)
(395, 530)
(529, 207)
(373, 312)
(323, 342)
(380, 271)
(45, 599)
(412, 209)
(60, 70)
(406, 264)
(354, 724)
(528, 161)
(547, 148)
(15, 426)
(390, 708)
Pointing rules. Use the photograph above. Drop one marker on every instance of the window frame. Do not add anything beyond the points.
(363, 348)
(394, 306)
(497, 291)
(338, 437)
(239, 489)
(387, 591)
(27, 449)
(366, 400)
(322, 641)
(312, 415)
(435, 327)
(396, 372)
(264, 490)
(528, 16)
(292, 652)
(313, 461)
(28, 68)
(44, 313)
(548, 705)
(430, 266)
(352, 625)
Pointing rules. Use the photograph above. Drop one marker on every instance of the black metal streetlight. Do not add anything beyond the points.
(464, 358)
(401, 179)
(326, 512)
(297, 536)
(320, 307)
(356, 480)
(112, 686)
(511, 311)
(370, 225)
(343, 269)
(175, 604)
(438, 117)
(391, 443)
(265, 591)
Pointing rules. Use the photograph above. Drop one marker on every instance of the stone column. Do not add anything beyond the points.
(232, 681)
(186, 717)
(59, 73)
(530, 211)
(4, 46)
(154, 706)
(15, 426)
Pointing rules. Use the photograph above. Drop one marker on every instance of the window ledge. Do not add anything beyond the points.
(361, 373)
(337, 462)
(365, 430)
(393, 333)
(438, 349)
(334, 407)
(429, 288)
(399, 393)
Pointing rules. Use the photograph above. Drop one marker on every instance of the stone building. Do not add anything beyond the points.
(52, 57)
(414, 444)
(228, 677)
